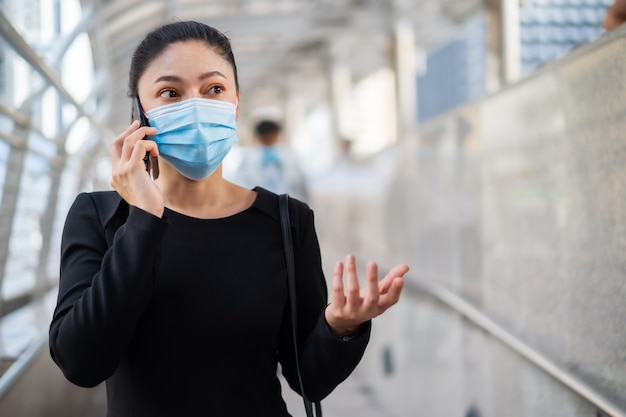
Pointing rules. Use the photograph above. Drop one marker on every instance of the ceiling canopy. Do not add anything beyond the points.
(281, 47)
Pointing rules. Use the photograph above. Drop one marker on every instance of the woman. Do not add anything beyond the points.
(173, 286)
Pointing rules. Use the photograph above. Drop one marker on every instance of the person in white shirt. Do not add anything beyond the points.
(270, 164)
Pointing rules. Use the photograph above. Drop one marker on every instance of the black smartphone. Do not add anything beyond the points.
(138, 114)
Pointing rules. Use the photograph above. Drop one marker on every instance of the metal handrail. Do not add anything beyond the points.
(34, 345)
(444, 296)
(17, 369)
(13, 38)
(479, 319)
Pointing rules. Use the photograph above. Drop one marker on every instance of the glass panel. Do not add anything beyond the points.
(7, 124)
(4, 153)
(551, 28)
(69, 187)
(25, 240)
(77, 68)
(3, 48)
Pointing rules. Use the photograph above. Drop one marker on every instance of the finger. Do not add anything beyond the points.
(339, 298)
(128, 145)
(352, 283)
(392, 296)
(118, 142)
(152, 148)
(397, 271)
(372, 291)
(141, 148)
(131, 140)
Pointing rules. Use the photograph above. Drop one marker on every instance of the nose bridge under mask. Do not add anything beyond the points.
(193, 111)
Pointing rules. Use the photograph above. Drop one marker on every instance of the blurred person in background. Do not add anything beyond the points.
(270, 164)
(615, 15)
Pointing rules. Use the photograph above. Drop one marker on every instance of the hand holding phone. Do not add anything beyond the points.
(137, 113)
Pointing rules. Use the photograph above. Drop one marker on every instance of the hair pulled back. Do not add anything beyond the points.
(159, 39)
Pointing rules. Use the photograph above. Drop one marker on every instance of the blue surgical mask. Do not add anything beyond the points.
(194, 135)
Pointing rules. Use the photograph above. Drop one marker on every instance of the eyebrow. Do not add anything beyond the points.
(175, 78)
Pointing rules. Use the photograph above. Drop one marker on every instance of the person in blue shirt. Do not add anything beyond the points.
(270, 164)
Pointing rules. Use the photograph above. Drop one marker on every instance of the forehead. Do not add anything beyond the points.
(187, 57)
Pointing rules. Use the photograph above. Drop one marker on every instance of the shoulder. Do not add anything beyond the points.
(105, 204)
(299, 212)
(267, 201)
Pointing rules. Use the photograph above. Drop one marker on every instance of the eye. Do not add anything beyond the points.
(216, 89)
(168, 94)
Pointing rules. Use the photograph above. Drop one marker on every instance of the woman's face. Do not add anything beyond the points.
(184, 70)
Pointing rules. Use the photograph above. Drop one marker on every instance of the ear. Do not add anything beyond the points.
(238, 101)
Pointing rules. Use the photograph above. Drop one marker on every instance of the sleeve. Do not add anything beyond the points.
(325, 360)
(102, 291)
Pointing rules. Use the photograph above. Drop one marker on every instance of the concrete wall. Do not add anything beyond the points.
(518, 204)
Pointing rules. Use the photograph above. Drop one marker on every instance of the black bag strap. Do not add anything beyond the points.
(283, 205)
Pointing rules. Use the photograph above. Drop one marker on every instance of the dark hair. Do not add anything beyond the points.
(159, 39)
(266, 127)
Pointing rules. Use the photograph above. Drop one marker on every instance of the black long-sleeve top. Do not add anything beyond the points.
(189, 317)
